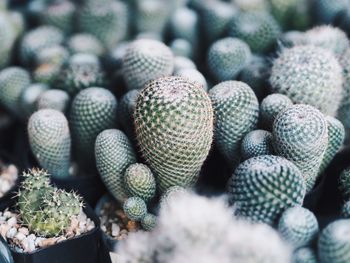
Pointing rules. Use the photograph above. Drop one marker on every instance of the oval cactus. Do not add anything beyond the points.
(30, 96)
(304, 255)
(135, 208)
(193, 75)
(54, 99)
(85, 43)
(256, 143)
(149, 222)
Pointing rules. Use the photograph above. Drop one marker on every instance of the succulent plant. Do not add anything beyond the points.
(334, 243)
(304, 255)
(292, 38)
(344, 109)
(328, 10)
(7, 38)
(174, 129)
(146, 60)
(263, 187)
(114, 154)
(171, 193)
(252, 5)
(53, 55)
(54, 99)
(29, 97)
(135, 208)
(308, 74)
(236, 111)
(345, 211)
(344, 183)
(149, 222)
(50, 141)
(227, 57)
(193, 75)
(85, 43)
(300, 135)
(183, 63)
(47, 74)
(256, 143)
(181, 47)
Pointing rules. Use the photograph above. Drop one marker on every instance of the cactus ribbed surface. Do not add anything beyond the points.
(227, 57)
(135, 208)
(146, 60)
(300, 135)
(174, 129)
(54, 99)
(236, 110)
(114, 154)
(304, 255)
(344, 183)
(298, 226)
(29, 97)
(93, 110)
(309, 74)
(85, 43)
(256, 143)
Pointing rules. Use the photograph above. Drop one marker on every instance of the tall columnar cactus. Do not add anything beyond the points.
(13, 81)
(304, 255)
(227, 57)
(236, 110)
(135, 208)
(344, 183)
(140, 182)
(93, 110)
(50, 141)
(174, 128)
(114, 154)
(256, 143)
(298, 226)
(258, 29)
(146, 60)
(334, 242)
(54, 99)
(85, 43)
(300, 135)
(308, 74)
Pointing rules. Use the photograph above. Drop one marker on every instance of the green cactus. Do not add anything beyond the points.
(344, 183)
(149, 222)
(263, 187)
(304, 255)
(298, 226)
(181, 47)
(334, 242)
(300, 135)
(54, 99)
(13, 81)
(174, 129)
(308, 74)
(114, 154)
(7, 38)
(55, 55)
(183, 63)
(252, 5)
(236, 110)
(345, 211)
(146, 60)
(50, 141)
(256, 143)
(30, 96)
(193, 75)
(93, 110)
(140, 182)
(85, 43)
(258, 29)
(328, 10)
(227, 57)
(135, 208)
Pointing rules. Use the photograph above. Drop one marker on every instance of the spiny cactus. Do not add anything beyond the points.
(171, 193)
(183, 63)
(13, 81)
(328, 10)
(54, 99)
(149, 222)
(271, 106)
(47, 74)
(54, 55)
(334, 242)
(93, 110)
(236, 110)
(7, 38)
(298, 226)
(345, 211)
(344, 183)
(30, 96)
(174, 129)
(308, 74)
(146, 60)
(227, 57)
(85, 43)
(263, 187)
(304, 255)
(256, 143)
(300, 135)
(114, 154)
(181, 47)
(140, 182)
(193, 75)
(344, 109)
(258, 29)
(135, 208)
(50, 141)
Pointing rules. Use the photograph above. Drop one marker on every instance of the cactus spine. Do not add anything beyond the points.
(256, 143)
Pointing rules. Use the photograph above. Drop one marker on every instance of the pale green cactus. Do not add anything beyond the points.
(256, 143)
(54, 99)
(304, 255)
(85, 43)
(149, 222)
(344, 183)
(135, 208)
(29, 97)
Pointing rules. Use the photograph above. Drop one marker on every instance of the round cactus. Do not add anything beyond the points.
(258, 29)
(7, 38)
(140, 182)
(344, 183)
(174, 128)
(344, 109)
(334, 242)
(236, 110)
(292, 38)
(149, 222)
(308, 74)
(298, 226)
(286, 11)
(171, 193)
(252, 5)
(227, 57)
(193, 75)
(345, 211)
(256, 143)
(54, 99)
(135, 208)
(146, 60)
(300, 135)
(54, 55)
(328, 10)
(50, 141)
(304, 255)
(263, 187)
(183, 63)
(47, 74)
(181, 47)
(30, 96)
(85, 43)
(114, 154)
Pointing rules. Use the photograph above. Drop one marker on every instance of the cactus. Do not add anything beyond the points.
(85, 43)
(334, 242)
(171, 193)
(47, 74)
(50, 141)
(252, 5)
(328, 10)
(263, 187)
(174, 129)
(149, 222)
(308, 74)
(270, 107)
(93, 110)
(183, 63)
(146, 60)
(140, 182)
(345, 211)
(292, 38)
(227, 57)
(236, 111)
(135, 208)
(298, 226)
(258, 29)
(256, 143)
(300, 135)
(7, 38)
(54, 99)
(344, 183)
(114, 154)
(193, 75)
(181, 47)
(13, 81)
(304, 255)
(55, 55)
(30, 96)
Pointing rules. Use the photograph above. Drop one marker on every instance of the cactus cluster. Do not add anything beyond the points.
(256, 143)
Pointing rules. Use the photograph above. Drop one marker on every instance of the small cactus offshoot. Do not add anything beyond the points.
(135, 208)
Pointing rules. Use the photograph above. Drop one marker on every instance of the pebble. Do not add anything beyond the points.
(20, 236)
(24, 230)
(12, 221)
(11, 232)
(115, 230)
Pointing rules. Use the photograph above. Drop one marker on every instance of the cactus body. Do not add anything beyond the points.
(54, 99)
(304, 255)
(85, 43)
(345, 211)
(328, 10)
(135, 208)
(30, 96)
(344, 109)
(181, 47)
(252, 5)
(7, 38)
(183, 63)
(149, 222)
(193, 75)
(344, 183)
(256, 143)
